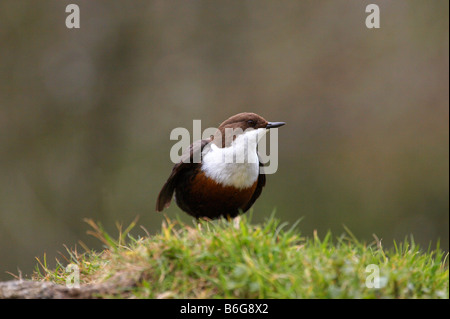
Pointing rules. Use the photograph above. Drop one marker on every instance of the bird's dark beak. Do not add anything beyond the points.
(274, 124)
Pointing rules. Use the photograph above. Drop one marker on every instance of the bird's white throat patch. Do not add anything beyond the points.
(236, 165)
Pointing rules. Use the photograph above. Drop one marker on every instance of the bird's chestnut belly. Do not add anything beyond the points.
(202, 196)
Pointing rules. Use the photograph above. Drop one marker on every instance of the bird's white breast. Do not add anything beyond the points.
(236, 165)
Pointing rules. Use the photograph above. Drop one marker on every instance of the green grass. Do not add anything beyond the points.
(229, 259)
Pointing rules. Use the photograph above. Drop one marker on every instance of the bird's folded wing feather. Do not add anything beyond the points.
(188, 159)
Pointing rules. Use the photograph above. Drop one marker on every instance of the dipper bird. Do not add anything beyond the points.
(227, 178)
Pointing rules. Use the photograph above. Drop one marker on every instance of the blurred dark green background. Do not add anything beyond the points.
(85, 114)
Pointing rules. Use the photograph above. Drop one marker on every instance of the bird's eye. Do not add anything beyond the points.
(251, 122)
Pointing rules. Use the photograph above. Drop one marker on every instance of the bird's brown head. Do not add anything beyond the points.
(238, 124)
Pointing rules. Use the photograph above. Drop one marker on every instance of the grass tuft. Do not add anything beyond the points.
(237, 259)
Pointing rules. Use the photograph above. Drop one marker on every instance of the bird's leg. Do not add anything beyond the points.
(237, 222)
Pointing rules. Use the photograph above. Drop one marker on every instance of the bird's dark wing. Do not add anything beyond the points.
(258, 190)
(187, 162)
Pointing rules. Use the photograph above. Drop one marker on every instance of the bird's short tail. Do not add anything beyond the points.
(165, 196)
